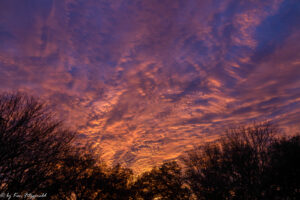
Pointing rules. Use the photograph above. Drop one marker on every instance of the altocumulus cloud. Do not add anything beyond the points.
(146, 80)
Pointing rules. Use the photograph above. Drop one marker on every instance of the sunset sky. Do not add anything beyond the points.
(145, 80)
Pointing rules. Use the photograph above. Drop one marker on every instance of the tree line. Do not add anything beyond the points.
(37, 156)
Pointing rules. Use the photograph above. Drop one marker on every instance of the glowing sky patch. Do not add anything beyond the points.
(146, 80)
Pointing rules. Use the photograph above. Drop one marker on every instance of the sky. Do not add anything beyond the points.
(146, 80)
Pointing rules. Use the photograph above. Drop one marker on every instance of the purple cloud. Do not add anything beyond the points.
(144, 81)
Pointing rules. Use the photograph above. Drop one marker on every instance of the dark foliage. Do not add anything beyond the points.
(37, 156)
(31, 144)
(164, 182)
(248, 163)
(283, 175)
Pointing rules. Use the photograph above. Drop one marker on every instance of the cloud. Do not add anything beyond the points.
(144, 81)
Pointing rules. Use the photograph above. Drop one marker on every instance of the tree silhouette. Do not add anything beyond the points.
(283, 175)
(117, 185)
(205, 174)
(80, 176)
(32, 143)
(37, 156)
(239, 166)
(164, 182)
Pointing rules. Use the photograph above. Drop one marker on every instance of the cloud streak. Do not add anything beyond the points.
(146, 80)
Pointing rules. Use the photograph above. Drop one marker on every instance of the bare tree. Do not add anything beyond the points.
(37, 156)
(32, 143)
(233, 168)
